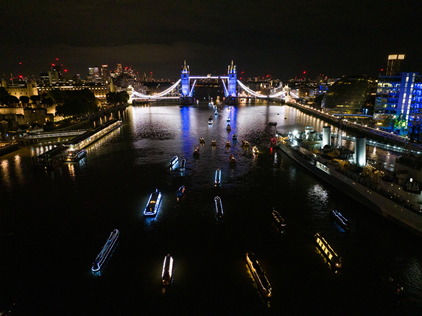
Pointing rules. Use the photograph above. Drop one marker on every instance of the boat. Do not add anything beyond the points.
(329, 252)
(228, 128)
(201, 140)
(255, 150)
(180, 192)
(259, 275)
(153, 204)
(210, 121)
(196, 151)
(228, 120)
(340, 219)
(385, 197)
(174, 162)
(245, 143)
(182, 166)
(75, 155)
(234, 137)
(279, 221)
(213, 142)
(232, 159)
(275, 158)
(228, 143)
(105, 252)
(217, 181)
(167, 273)
(215, 112)
(218, 207)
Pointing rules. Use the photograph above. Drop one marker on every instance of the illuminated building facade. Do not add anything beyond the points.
(393, 64)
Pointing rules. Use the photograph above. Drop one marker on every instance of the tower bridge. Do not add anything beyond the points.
(230, 84)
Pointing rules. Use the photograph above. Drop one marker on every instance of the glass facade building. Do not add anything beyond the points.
(346, 96)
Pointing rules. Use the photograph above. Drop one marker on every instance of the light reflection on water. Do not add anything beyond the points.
(110, 187)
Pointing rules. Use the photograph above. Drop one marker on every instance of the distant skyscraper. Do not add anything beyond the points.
(393, 64)
(104, 71)
(119, 69)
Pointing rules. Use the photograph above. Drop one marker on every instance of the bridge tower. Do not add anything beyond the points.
(185, 98)
(232, 85)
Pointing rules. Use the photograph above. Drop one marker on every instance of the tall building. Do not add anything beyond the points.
(399, 97)
(393, 64)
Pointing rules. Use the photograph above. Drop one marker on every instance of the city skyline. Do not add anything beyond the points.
(275, 38)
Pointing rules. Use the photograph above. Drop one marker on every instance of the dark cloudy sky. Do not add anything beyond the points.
(281, 38)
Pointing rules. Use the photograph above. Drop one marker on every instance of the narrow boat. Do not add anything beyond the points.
(232, 159)
(215, 112)
(340, 219)
(218, 207)
(279, 221)
(228, 144)
(167, 273)
(258, 274)
(217, 177)
(327, 250)
(245, 143)
(196, 151)
(255, 150)
(182, 165)
(213, 142)
(228, 128)
(228, 120)
(234, 137)
(275, 157)
(181, 192)
(153, 204)
(174, 162)
(75, 155)
(210, 121)
(201, 140)
(105, 252)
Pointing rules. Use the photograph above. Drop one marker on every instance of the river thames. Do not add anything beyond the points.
(53, 225)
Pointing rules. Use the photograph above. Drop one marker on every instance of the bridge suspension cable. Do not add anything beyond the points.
(139, 95)
(259, 95)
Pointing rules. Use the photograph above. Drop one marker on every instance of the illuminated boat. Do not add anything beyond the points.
(217, 177)
(182, 165)
(255, 150)
(218, 207)
(215, 112)
(153, 204)
(279, 221)
(181, 191)
(105, 252)
(75, 155)
(245, 143)
(201, 140)
(174, 162)
(213, 142)
(196, 151)
(210, 121)
(232, 159)
(228, 144)
(340, 219)
(228, 128)
(167, 273)
(327, 250)
(234, 136)
(275, 157)
(228, 120)
(259, 275)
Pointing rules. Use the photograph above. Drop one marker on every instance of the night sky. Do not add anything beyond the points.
(280, 38)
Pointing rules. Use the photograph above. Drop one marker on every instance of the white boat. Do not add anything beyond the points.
(217, 181)
(105, 252)
(167, 273)
(174, 163)
(153, 204)
(182, 165)
(218, 207)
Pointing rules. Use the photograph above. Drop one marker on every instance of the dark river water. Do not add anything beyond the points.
(53, 225)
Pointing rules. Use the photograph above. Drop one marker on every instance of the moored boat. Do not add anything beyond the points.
(259, 275)
(228, 143)
(234, 136)
(232, 159)
(255, 150)
(213, 142)
(279, 221)
(218, 207)
(75, 155)
(105, 252)
(327, 251)
(245, 143)
(340, 219)
(217, 181)
(196, 151)
(153, 204)
(167, 273)
(174, 162)
(228, 128)
(201, 140)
